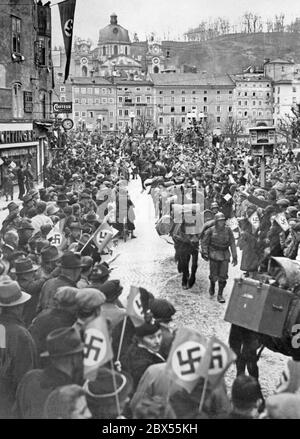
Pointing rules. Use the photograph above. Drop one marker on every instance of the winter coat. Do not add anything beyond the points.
(249, 246)
(49, 289)
(32, 287)
(17, 356)
(138, 359)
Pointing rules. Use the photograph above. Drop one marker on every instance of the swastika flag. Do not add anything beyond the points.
(135, 309)
(56, 236)
(189, 358)
(97, 347)
(104, 235)
(221, 358)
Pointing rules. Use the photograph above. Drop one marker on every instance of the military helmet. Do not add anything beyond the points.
(220, 217)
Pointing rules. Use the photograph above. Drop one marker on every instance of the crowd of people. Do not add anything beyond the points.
(51, 292)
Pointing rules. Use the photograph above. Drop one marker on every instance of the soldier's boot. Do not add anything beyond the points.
(192, 278)
(184, 283)
(212, 288)
(220, 292)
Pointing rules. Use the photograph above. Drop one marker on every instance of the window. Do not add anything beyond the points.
(194, 100)
(245, 103)
(259, 103)
(218, 109)
(218, 92)
(278, 100)
(230, 92)
(126, 50)
(161, 120)
(183, 119)
(84, 71)
(240, 103)
(137, 89)
(28, 103)
(193, 92)
(172, 120)
(253, 94)
(294, 89)
(205, 99)
(253, 103)
(246, 93)
(205, 109)
(230, 109)
(76, 90)
(104, 100)
(218, 119)
(183, 92)
(126, 113)
(282, 68)
(83, 113)
(294, 100)
(120, 112)
(89, 91)
(183, 100)
(183, 109)
(76, 113)
(260, 113)
(83, 91)
(76, 101)
(138, 112)
(96, 90)
(111, 101)
(120, 99)
(91, 114)
(115, 50)
(246, 113)
(63, 98)
(278, 89)
(138, 99)
(83, 100)
(172, 92)
(90, 101)
(161, 92)
(148, 99)
(104, 91)
(16, 34)
(104, 51)
(172, 109)
(111, 125)
(62, 89)
(205, 92)
(97, 101)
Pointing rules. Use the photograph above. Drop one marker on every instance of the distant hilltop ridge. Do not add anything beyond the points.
(233, 52)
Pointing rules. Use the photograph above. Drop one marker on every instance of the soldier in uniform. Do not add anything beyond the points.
(215, 248)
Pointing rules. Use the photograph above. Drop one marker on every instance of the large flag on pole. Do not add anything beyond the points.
(67, 11)
(57, 236)
(189, 358)
(97, 347)
(104, 234)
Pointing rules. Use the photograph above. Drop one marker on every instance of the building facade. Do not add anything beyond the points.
(176, 95)
(253, 98)
(25, 82)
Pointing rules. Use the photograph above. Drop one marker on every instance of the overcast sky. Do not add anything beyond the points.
(167, 18)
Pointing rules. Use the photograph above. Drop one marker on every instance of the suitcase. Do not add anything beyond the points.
(257, 306)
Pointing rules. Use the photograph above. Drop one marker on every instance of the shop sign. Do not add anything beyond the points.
(7, 137)
(62, 107)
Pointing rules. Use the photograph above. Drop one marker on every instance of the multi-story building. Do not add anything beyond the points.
(25, 81)
(177, 94)
(285, 76)
(109, 105)
(253, 98)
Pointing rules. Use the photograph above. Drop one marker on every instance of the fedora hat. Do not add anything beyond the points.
(11, 294)
(26, 225)
(61, 198)
(63, 341)
(52, 209)
(12, 206)
(24, 265)
(70, 260)
(50, 254)
(75, 225)
(107, 385)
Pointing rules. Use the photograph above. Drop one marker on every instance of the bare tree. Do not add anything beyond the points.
(256, 21)
(144, 124)
(232, 128)
(279, 23)
(269, 25)
(248, 21)
(289, 127)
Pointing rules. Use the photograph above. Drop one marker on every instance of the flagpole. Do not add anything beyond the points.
(122, 337)
(94, 234)
(115, 388)
(203, 393)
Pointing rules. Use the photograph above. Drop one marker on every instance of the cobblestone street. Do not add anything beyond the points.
(149, 261)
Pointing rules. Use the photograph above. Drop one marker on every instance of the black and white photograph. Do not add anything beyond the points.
(149, 213)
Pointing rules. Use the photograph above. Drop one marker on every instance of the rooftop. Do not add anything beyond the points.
(191, 79)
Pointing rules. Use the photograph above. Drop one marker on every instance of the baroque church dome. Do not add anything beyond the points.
(114, 33)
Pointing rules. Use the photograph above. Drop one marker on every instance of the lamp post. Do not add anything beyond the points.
(132, 117)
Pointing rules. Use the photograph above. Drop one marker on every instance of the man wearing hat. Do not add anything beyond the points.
(99, 275)
(276, 230)
(89, 302)
(13, 219)
(70, 271)
(111, 309)
(103, 391)
(65, 353)
(63, 314)
(18, 352)
(10, 246)
(28, 203)
(87, 263)
(215, 247)
(49, 257)
(41, 219)
(25, 272)
(25, 232)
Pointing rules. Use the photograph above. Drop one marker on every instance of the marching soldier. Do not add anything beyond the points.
(215, 248)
